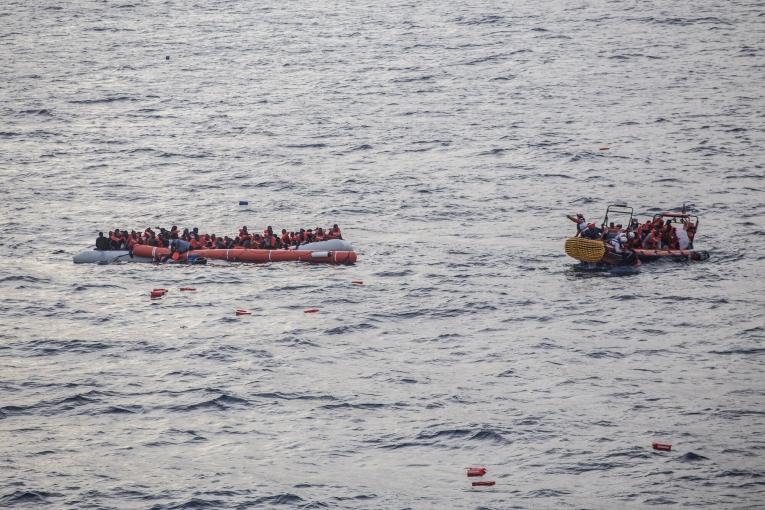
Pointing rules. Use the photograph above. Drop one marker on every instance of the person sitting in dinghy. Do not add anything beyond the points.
(102, 243)
(177, 248)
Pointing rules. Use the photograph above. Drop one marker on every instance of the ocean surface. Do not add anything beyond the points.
(448, 140)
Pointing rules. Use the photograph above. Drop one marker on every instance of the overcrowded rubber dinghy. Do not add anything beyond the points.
(667, 235)
(333, 251)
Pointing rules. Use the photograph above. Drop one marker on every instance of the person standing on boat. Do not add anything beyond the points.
(683, 242)
(581, 223)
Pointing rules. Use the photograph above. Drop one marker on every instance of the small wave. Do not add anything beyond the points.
(605, 354)
(350, 328)
(688, 21)
(740, 473)
(557, 176)
(23, 278)
(396, 274)
(444, 434)
(413, 79)
(370, 406)
(489, 435)
(277, 499)
(306, 146)
(193, 503)
(692, 457)
(222, 402)
(548, 493)
(122, 410)
(42, 111)
(493, 152)
(103, 100)
(27, 497)
(754, 350)
(484, 20)
(294, 396)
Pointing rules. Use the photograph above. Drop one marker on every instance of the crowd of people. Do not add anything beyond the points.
(185, 240)
(654, 234)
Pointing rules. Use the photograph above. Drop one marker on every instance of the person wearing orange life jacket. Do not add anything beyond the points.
(114, 240)
(319, 234)
(132, 240)
(269, 241)
(195, 242)
(653, 240)
(633, 240)
(674, 243)
(243, 232)
(285, 238)
(335, 232)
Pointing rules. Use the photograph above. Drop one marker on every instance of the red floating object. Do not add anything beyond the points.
(357, 282)
(662, 447)
(155, 294)
(476, 471)
(604, 148)
(160, 290)
(188, 288)
(484, 483)
(310, 310)
(243, 312)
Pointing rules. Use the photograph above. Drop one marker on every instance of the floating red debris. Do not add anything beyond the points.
(310, 310)
(662, 447)
(188, 288)
(476, 471)
(484, 483)
(243, 312)
(603, 148)
(163, 291)
(357, 282)
(156, 294)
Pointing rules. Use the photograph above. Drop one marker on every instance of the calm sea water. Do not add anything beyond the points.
(448, 140)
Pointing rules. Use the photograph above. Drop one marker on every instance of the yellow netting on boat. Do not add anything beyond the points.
(586, 250)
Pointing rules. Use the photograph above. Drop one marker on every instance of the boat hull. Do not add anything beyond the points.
(255, 255)
(595, 252)
(107, 257)
(651, 255)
